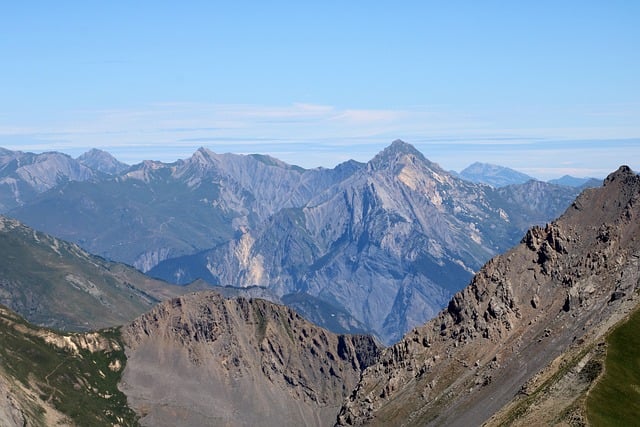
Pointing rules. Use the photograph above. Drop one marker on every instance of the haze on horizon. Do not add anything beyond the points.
(546, 88)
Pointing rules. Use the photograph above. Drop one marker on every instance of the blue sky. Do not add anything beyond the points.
(546, 87)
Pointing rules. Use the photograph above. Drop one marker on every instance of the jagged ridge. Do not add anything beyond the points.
(566, 282)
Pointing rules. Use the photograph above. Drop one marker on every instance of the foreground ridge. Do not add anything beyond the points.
(564, 285)
(201, 359)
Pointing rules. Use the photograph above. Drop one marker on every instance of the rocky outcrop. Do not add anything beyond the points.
(567, 282)
(202, 359)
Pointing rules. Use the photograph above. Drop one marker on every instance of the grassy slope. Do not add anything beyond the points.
(81, 386)
(615, 400)
(56, 284)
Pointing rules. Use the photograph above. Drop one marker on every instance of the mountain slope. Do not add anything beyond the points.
(55, 283)
(569, 282)
(572, 181)
(204, 360)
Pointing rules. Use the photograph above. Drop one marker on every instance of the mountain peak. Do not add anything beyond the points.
(203, 157)
(394, 152)
(399, 146)
(102, 161)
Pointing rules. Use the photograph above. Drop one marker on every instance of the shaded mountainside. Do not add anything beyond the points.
(57, 284)
(389, 244)
(546, 303)
(201, 359)
(534, 202)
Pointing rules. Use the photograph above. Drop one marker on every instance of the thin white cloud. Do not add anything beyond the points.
(526, 140)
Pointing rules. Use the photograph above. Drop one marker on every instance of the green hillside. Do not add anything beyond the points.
(77, 374)
(615, 399)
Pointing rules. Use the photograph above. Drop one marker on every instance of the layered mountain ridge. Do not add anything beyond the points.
(387, 242)
(564, 285)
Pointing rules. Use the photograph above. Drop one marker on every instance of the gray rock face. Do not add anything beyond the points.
(204, 360)
(563, 285)
(155, 211)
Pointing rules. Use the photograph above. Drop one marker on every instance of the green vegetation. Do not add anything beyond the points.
(81, 385)
(56, 284)
(615, 399)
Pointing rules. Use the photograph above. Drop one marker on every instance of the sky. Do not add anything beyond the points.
(545, 87)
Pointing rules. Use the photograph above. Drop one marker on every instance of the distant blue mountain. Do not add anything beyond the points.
(572, 181)
(493, 175)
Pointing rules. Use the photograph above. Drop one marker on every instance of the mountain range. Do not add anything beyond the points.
(385, 242)
(527, 342)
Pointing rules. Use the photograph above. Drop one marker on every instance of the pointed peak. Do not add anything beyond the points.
(203, 156)
(399, 146)
(394, 152)
(203, 150)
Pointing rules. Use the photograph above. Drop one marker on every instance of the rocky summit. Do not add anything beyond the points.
(525, 334)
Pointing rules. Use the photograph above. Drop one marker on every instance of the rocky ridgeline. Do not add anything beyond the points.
(564, 283)
(215, 361)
